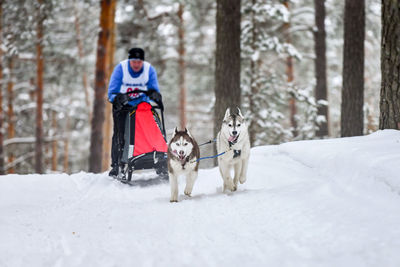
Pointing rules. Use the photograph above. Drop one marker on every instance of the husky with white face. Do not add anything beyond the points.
(233, 139)
(183, 152)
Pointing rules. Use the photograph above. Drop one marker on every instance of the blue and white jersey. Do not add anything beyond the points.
(124, 79)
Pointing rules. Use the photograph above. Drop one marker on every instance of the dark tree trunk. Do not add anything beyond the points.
(10, 113)
(321, 92)
(227, 63)
(108, 124)
(182, 69)
(96, 139)
(353, 69)
(390, 66)
(39, 94)
(54, 144)
(2, 167)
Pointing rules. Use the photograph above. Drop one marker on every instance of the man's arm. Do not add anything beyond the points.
(115, 83)
(153, 82)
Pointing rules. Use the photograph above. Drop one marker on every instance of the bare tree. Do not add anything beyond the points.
(96, 139)
(182, 70)
(390, 66)
(55, 142)
(290, 77)
(39, 94)
(10, 112)
(2, 167)
(353, 68)
(227, 63)
(321, 91)
(81, 58)
(108, 124)
(66, 144)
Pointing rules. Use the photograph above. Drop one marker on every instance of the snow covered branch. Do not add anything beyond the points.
(31, 140)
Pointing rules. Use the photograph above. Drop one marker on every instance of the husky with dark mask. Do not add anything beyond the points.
(183, 152)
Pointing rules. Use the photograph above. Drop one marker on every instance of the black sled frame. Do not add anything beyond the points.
(153, 160)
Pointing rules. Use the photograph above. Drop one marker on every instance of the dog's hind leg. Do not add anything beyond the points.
(173, 180)
(238, 172)
(243, 173)
(190, 179)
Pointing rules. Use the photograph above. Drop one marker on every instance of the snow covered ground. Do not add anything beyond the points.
(332, 202)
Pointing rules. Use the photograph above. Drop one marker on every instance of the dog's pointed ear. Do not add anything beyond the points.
(188, 132)
(227, 113)
(175, 131)
(239, 112)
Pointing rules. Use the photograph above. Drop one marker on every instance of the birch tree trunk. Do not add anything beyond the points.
(390, 66)
(96, 140)
(353, 69)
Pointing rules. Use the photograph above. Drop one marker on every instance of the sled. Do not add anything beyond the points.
(145, 145)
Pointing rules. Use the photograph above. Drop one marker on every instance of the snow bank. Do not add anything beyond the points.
(310, 203)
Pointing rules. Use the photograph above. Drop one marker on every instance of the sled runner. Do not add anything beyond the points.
(145, 145)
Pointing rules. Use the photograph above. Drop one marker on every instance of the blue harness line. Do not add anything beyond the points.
(236, 153)
(211, 157)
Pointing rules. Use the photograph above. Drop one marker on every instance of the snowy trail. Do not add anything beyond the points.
(316, 203)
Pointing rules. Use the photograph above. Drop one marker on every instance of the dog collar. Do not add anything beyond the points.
(183, 161)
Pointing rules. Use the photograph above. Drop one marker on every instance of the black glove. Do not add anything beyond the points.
(156, 97)
(120, 101)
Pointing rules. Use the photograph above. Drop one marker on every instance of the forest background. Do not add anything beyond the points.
(50, 72)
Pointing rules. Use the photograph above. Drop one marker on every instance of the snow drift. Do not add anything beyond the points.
(332, 202)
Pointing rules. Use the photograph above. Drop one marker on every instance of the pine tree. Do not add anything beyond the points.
(390, 66)
(352, 120)
(39, 101)
(321, 92)
(96, 140)
(227, 65)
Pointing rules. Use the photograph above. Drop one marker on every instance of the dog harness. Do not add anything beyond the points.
(236, 153)
(184, 161)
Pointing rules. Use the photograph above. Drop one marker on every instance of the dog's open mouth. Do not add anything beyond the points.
(181, 157)
(233, 138)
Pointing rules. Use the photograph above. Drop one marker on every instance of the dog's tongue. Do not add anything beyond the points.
(231, 138)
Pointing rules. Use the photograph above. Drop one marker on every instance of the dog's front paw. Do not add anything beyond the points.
(188, 190)
(234, 188)
(173, 200)
(242, 180)
(230, 186)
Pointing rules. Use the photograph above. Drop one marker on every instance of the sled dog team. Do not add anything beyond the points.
(232, 140)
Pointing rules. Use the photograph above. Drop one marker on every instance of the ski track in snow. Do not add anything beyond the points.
(309, 203)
